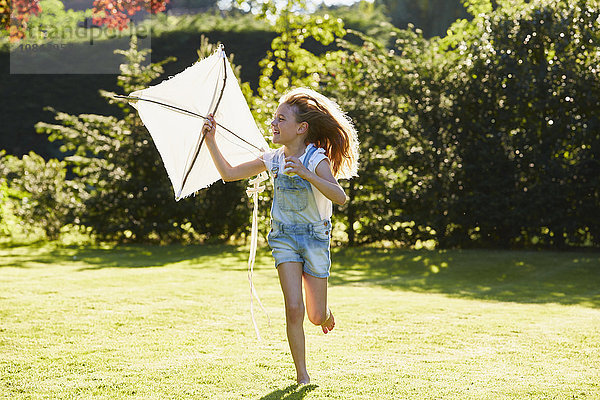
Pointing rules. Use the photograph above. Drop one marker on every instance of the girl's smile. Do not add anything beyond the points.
(284, 126)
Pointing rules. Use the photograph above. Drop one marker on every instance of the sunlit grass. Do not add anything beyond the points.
(174, 322)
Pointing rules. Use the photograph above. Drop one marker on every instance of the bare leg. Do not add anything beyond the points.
(290, 278)
(316, 302)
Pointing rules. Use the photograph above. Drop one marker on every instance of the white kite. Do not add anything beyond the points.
(174, 112)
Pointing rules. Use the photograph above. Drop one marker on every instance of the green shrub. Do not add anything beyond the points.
(364, 81)
(486, 137)
(38, 193)
(505, 112)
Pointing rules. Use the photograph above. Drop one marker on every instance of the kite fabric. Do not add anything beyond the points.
(174, 111)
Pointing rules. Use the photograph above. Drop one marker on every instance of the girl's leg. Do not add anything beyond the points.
(316, 302)
(290, 278)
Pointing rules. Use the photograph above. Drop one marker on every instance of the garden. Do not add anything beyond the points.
(465, 261)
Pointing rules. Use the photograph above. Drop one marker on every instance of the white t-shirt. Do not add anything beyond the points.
(323, 203)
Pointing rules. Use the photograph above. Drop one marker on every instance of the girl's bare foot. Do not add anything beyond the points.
(303, 380)
(328, 325)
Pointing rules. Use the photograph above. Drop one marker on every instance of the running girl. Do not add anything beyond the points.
(319, 146)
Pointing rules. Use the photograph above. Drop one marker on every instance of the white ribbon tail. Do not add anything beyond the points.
(253, 191)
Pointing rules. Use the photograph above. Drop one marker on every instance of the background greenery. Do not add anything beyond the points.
(485, 136)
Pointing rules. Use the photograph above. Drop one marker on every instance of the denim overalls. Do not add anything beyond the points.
(297, 231)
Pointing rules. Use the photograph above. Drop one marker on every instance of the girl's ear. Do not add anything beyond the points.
(303, 128)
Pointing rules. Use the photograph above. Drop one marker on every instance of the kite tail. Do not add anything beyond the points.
(253, 191)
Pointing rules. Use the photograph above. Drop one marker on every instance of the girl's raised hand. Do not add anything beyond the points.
(209, 127)
(294, 166)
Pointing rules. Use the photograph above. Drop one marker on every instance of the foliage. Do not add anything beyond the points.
(7, 217)
(362, 81)
(369, 18)
(487, 136)
(527, 95)
(224, 22)
(443, 131)
(508, 131)
(288, 64)
(19, 12)
(38, 193)
(16, 14)
(117, 13)
(4, 14)
(130, 195)
(52, 15)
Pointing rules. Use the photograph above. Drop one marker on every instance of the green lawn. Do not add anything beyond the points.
(173, 322)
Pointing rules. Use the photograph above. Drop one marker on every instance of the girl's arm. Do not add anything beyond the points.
(227, 172)
(322, 179)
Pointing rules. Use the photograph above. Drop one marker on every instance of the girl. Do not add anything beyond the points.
(319, 144)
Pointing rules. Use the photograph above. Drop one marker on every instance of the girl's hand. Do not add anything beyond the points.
(209, 127)
(294, 166)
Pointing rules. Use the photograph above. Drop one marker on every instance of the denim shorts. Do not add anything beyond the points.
(303, 243)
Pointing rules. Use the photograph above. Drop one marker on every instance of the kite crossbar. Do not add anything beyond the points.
(193, 114)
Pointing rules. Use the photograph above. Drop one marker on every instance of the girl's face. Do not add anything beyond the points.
(284, 127)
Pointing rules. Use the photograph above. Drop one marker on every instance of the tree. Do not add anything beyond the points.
(130, 195)
(363, 81)
(15, 14)
(525, 95)
(506, 135)
(116, 13)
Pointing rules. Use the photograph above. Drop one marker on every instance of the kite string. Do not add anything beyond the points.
(253, 192)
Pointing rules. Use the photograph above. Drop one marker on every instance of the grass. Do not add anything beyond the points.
(143, 322)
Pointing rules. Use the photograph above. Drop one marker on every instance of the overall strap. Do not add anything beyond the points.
(308, 155)
(277, 160)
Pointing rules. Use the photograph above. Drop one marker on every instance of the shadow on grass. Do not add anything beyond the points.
(123, 256)
(292, 392)
(516, 276)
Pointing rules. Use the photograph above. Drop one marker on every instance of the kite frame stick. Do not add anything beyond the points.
(193, 114)
(221, 48)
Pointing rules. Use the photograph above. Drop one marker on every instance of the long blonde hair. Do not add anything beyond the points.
(328, 127)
